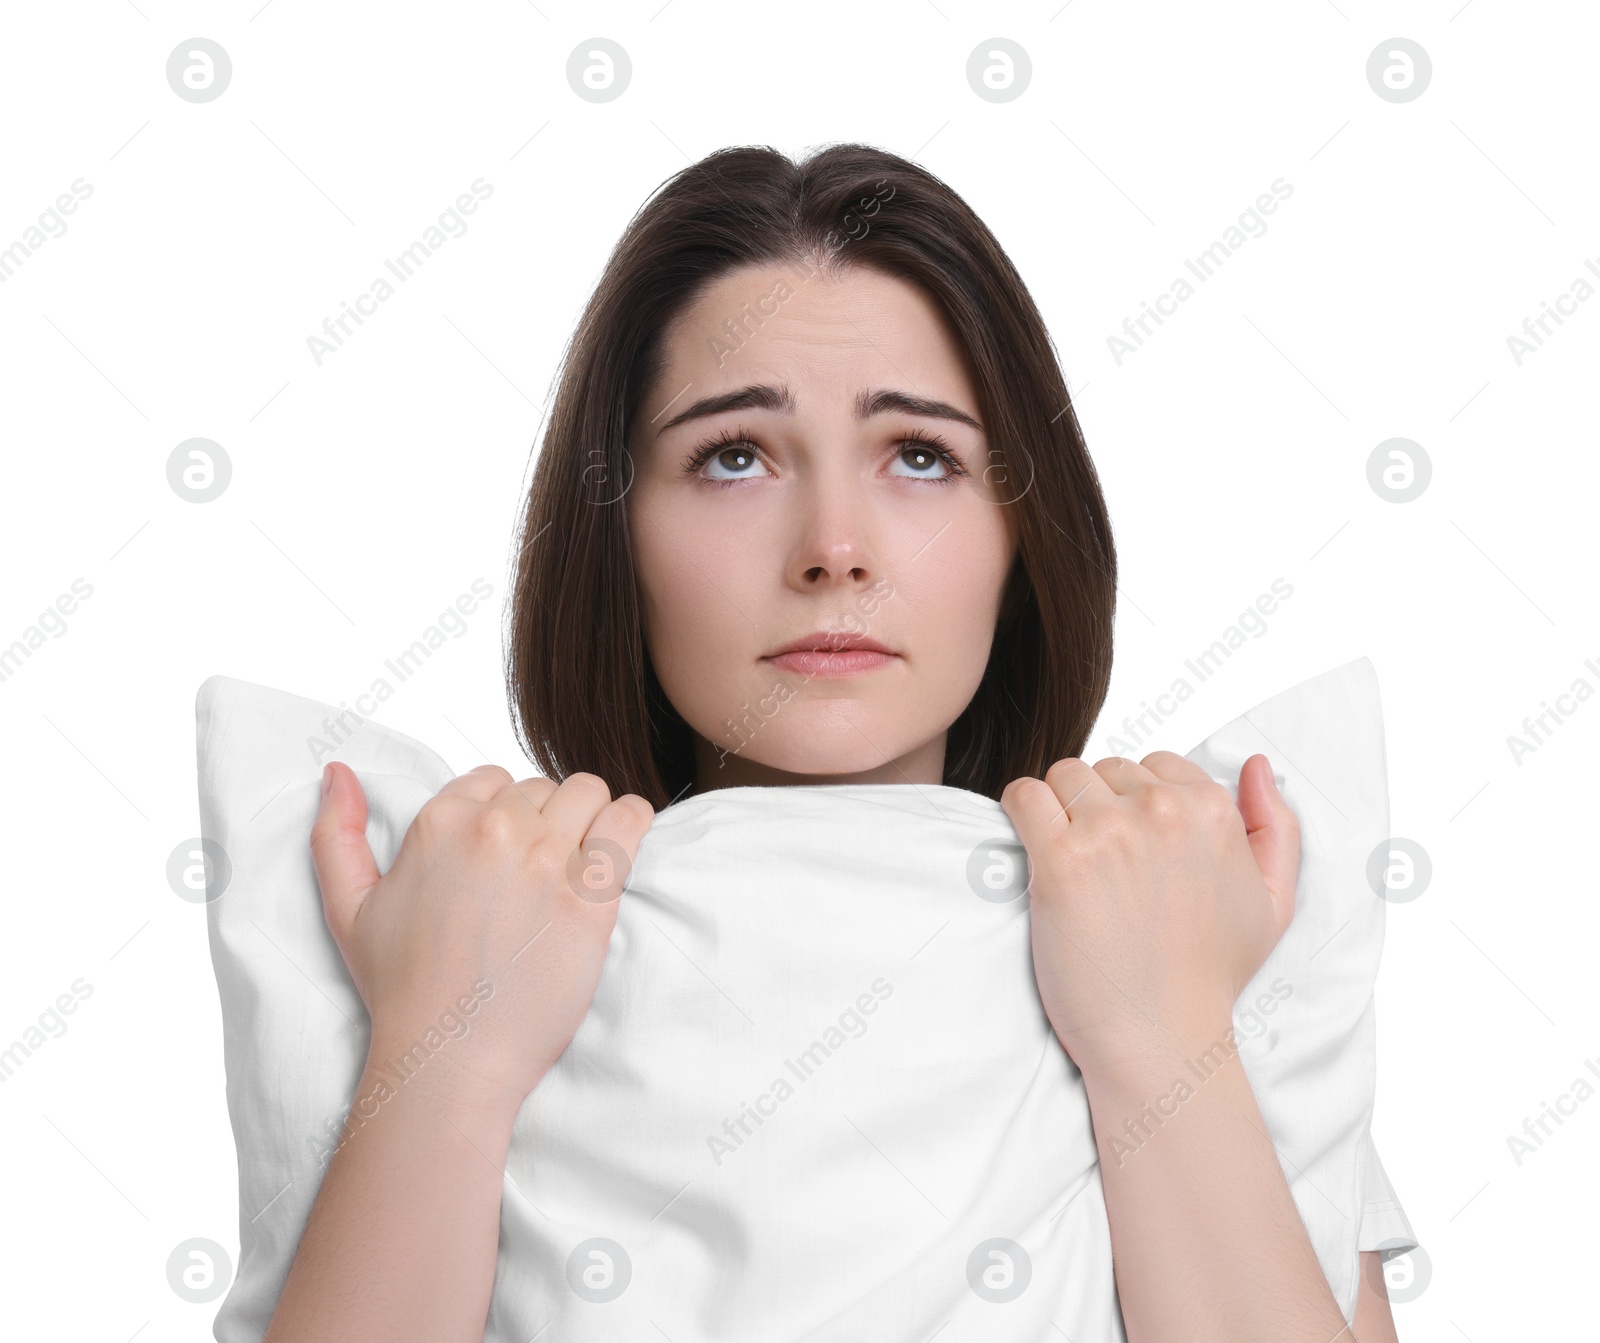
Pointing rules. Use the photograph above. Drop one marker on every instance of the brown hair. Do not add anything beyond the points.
(582, 693)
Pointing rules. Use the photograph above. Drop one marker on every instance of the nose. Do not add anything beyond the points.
(835, 546)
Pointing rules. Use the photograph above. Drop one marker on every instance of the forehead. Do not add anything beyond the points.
(826, 335)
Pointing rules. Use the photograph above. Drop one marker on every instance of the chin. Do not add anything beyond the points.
(827, 752)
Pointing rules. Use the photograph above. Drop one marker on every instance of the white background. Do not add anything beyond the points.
(369, 492)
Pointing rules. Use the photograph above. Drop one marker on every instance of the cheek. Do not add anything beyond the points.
(973, 554)
(690, 579)
(953, 619)
(953, 602)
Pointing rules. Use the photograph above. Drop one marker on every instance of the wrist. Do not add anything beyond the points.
(1153, 1089)
(416, 1064)
(1156, 1058)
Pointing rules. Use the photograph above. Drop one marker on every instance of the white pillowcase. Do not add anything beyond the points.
(816, 1096)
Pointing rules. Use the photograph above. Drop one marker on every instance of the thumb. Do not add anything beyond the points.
(339, 850)
(1273, 831)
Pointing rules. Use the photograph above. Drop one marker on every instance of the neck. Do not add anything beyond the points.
(716, 768)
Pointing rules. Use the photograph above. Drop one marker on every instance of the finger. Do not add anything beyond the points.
(1273, 831)
(609, 849)
(534, 792)
(1123, 776)
(1077, 787)
(572, 808)
(339, 849)
(480, 783)
(1174, 768)
(1035, 811)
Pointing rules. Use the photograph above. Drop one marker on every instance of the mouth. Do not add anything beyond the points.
(831, 654)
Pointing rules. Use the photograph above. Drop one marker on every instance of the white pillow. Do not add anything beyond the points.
(816, 1095)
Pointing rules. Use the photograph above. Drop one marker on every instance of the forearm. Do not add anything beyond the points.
(1206, 1240)
(402, 1239)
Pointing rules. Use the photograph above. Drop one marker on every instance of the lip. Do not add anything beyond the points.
(831, 654)
(824, 641)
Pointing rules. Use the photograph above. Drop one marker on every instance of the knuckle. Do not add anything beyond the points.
(1160, 803)
(1015, 790)
(429, 823)
(1063, 772)
(440, 816)
(525, 795)
(585, 782)
(539, 788)
(495, 825)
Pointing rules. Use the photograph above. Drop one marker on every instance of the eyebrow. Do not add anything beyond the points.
(761, 396)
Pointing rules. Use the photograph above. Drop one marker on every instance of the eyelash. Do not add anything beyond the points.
(739, 437)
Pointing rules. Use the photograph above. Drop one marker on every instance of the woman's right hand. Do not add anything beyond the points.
(491, 926)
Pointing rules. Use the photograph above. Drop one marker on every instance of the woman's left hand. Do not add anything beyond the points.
(1155, 899)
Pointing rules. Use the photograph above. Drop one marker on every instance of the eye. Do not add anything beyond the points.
(731, 456)
(731, 452)
(925, 453)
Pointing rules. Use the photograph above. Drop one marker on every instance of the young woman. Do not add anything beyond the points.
(812, 448)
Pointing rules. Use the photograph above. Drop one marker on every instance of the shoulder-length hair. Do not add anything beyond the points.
(581, 689)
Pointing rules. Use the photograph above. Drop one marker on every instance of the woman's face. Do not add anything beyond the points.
(818, 512)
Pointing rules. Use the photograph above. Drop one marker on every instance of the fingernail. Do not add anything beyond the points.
(327, 779)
